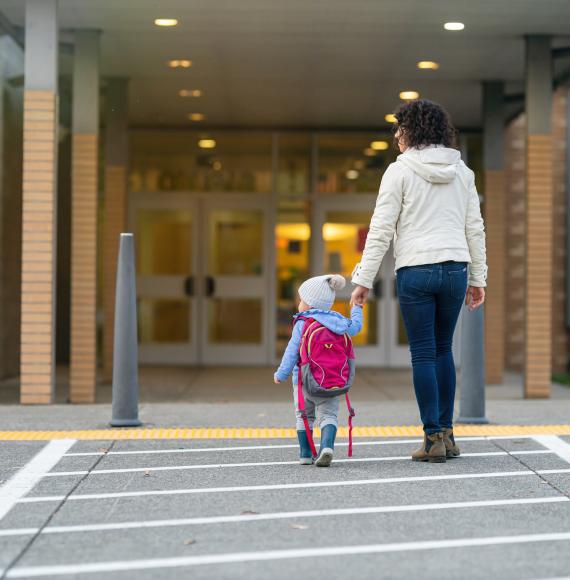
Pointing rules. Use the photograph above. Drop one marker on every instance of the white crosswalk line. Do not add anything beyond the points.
(556, 445)
(24, 480)
(200, 521)
(126, 494)
(268, 464)
(331, 551)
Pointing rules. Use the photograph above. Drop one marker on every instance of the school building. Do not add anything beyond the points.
(243, 142)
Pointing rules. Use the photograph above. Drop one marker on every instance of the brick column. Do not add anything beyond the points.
(85, 124)
(39, 213)
(495, 222)
(116, 160)
(539, 207)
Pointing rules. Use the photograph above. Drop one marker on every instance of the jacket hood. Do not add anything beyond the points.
(434, 163)
(334, 321)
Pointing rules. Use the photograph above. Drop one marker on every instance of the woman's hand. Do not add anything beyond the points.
(475, 297)
(359, 296)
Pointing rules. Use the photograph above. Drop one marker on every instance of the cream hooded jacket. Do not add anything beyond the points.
(429, 205)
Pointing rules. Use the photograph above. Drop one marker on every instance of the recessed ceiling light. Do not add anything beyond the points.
(379, 145)
(166, 21)
(190, 93)
(217, 165)
(179, 63)
(196, 116)
(206, 143)
(409, 95)
(428, 64)
(390, 118)
(352, 174)
(369, 152)
(454, 26)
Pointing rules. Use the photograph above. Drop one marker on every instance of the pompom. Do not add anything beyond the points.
(337, 282)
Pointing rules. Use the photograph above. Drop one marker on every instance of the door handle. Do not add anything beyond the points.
(210, 286)
(189, 286)
(377, 287)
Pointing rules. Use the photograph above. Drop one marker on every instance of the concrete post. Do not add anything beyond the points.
(85, 125)
(539, 208)
(39, 213)
(114, 216)
(472, 401)
(125, 358)
(495, 225)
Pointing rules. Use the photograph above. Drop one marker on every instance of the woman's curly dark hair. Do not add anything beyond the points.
(424, 122)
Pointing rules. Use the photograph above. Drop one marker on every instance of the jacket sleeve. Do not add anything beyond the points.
(355, 325)
(382, 226)
(475, 234)
(291, 355)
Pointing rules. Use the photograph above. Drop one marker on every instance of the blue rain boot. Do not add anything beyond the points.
(305, 455)
(328, 434)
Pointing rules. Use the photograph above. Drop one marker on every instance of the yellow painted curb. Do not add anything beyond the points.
(275, 433)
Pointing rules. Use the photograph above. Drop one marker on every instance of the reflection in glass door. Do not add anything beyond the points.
(344, 226)
(165, 238)
(236, 278)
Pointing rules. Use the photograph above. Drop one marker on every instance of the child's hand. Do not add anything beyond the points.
(276, 381)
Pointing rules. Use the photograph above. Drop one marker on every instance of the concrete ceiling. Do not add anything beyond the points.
(308, 63)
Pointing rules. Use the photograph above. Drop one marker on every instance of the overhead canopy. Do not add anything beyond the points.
(308, 63)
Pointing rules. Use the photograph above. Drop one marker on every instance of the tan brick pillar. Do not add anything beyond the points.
(114, 218)
(495, 220)
(539, 207)
(39, 212)
(85, 124)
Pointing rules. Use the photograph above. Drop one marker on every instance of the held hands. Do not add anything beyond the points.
(475, 297)
(359, 296)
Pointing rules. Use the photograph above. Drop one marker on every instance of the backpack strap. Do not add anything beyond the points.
(301, 405)
(351, 414)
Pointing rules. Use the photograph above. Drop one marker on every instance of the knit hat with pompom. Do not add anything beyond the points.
(320, 292)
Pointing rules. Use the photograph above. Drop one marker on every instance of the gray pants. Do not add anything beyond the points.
(324, 409)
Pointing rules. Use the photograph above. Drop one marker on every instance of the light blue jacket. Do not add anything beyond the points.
(332, 320)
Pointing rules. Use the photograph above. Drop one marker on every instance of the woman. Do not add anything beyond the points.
(429, 204)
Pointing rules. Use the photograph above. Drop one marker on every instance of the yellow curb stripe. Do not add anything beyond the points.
(275, 433)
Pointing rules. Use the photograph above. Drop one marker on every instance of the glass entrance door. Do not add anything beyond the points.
(235, 312)
(202, 280)
(340, 227)
(165, 231)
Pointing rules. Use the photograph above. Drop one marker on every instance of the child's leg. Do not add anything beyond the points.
(327, 413)
(305, 453)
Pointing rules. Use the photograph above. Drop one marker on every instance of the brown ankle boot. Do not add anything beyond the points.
(432, 450)
(451, 448)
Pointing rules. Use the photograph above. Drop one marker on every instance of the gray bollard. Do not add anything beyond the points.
(125, 358)
(472, 402)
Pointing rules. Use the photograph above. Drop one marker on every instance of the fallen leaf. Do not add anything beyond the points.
(103, 450)
(248, 513)
(189, 542)
(299, 527)
(147, 473)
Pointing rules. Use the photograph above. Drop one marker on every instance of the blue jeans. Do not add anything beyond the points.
(430, 299)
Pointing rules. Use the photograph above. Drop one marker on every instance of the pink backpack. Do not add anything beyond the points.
(326, 369)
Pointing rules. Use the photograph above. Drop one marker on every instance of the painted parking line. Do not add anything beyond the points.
(26, 478)
(556, 445)
(275, 433)
(274, 487)
(201, 521)
(270, 464)
(241, 557)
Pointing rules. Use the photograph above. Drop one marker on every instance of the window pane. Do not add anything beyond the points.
(368, 334)
(162, 320)
(348, 163)
(163, 242)
(236, 243)
(235, 320)
(237, 161)
(294, 163)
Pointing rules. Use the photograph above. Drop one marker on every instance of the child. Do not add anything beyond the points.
(317, 296)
